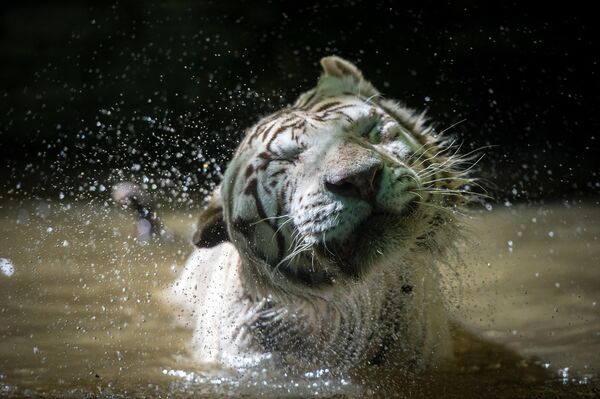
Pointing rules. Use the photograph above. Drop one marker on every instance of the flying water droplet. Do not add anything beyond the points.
(6, 267)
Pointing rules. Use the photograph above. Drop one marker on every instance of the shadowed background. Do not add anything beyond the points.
(162, 91)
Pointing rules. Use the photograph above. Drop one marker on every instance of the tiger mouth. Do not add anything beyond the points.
(349, 252)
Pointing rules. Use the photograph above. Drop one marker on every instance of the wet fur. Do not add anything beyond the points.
(290, 274)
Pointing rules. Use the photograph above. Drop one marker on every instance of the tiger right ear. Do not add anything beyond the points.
(340, 68)
(211, 226)
(339, 77)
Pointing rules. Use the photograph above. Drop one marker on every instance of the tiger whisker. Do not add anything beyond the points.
(455, 192)
(417, 194)
(431, 157)
(483, 147)
(280, 227)
(446, 210)
(449, 190)
(368, 100)
(268, 218)
(295, 237)
(415, 152)
(298, 250)
(451, 126)
(459, 181)
(325, 244)
(433, 169)
(473, 165)
(449, 159)
(452, 160)
(443, 167)
(410, 176)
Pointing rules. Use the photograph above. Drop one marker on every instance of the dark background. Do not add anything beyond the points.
(161, 91)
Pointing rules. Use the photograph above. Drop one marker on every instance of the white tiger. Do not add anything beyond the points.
(320, 247)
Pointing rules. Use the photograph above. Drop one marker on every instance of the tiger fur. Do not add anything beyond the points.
(321, 247)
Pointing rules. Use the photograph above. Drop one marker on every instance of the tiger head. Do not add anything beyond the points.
(337, 185)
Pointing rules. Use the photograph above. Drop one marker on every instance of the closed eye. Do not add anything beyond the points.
(369, 128)
(374, 133)
(290, 154)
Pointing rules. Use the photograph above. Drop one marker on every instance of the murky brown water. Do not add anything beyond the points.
(80, 314)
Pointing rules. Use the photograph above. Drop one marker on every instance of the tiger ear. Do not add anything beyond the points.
(211, 229)
(339, 77)
(340, 68)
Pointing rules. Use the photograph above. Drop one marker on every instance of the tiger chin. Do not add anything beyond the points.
(321, 247)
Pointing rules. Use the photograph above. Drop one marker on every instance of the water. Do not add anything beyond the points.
(80, 313)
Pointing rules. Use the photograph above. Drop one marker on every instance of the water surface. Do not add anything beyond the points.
(80, 313)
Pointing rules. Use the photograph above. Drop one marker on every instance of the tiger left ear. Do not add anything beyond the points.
(211, 226)
(340, 68)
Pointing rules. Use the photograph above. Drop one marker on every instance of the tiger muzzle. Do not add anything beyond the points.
(355, 172)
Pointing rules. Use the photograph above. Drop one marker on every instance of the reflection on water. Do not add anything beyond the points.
(79, 312)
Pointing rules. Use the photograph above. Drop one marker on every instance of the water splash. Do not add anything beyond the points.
(260, 381)
(6, 267)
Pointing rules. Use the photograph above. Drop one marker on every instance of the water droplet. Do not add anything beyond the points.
(6, 267)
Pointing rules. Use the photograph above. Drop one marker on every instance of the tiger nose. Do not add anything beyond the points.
(359, 181)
